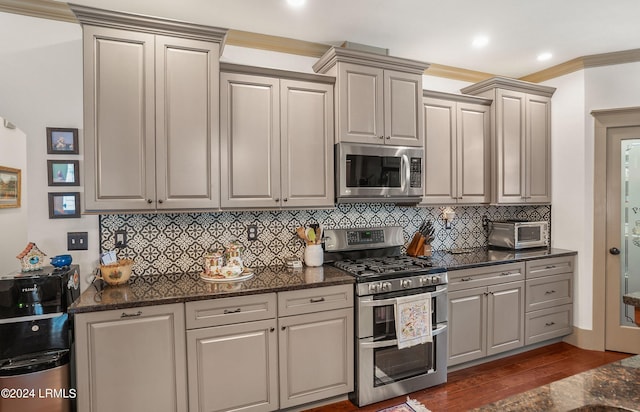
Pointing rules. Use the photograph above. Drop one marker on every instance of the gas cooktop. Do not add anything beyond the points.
(397, 265)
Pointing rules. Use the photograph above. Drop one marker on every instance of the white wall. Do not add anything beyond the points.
(13, 221)
(578, 94)
(41, 86)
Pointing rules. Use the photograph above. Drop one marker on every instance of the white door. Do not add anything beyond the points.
(623, 237)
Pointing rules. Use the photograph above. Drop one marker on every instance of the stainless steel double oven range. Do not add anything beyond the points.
(382, 276)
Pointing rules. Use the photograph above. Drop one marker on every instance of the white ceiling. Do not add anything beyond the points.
(435, 31)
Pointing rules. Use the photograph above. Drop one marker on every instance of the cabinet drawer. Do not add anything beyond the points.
(548, 291)
(551, 266)
(297, 302)
(485, 276)
(548, 323)
(225, 311)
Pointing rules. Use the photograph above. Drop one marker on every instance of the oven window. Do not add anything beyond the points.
(394, 365)
(373, 171)
(529, 233)
(384, 324)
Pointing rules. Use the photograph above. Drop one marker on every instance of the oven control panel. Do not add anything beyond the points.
(365, 237)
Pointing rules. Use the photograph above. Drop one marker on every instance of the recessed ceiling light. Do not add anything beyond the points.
(544, 56)
(480, 41)
(296, 3)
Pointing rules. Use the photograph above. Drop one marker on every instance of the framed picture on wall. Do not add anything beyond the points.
(64, 205)
(62, 141)
(10, 181)
(63, 172)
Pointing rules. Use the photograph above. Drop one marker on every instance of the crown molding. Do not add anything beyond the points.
(45, 9)
(457, 97)
(584, 62)
(340, 54)
(275, 43)
(457, 73)
(509, 84)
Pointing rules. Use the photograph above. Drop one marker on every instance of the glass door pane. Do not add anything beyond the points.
(630, 227)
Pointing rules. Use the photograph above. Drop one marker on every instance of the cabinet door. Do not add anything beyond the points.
(360, 104)
(131, 360)
(473, 154)
(119, 120)
(187, 132)
(538, 159)
(306, 113)
(505, 317)
(316, 356)
(249, 141)
(233, 367)
(467, 325)
(402, 108)
(440, 144)
(510, 147)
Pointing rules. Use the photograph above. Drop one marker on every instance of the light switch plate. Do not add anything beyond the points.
(77, 241)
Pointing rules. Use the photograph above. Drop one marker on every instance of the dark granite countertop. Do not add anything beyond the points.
(470, 258)
(632, 299)
(182, 287)
(612, 387)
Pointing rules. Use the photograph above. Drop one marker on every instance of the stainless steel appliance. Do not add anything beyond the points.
(382, 276)
(518, 234)
(36, 339)
(378, 173)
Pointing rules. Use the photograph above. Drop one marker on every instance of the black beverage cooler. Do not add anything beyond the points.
(36, 339)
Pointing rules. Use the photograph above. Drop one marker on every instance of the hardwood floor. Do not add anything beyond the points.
(492, 381)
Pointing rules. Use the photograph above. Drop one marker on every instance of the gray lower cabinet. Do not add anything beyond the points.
(151, 132)
(237, 360)
(131, 360)
(232, 354)
(486, 311)
(549, 291)
(316, 344)
(276, 142)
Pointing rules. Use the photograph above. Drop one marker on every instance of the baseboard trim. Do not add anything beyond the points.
(585, 339)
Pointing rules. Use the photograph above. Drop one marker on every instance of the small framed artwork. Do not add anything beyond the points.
(62, 141)
(64, 205)
(10, 181)
(63, 172)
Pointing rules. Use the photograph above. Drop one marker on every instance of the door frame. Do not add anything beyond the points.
(604, 119)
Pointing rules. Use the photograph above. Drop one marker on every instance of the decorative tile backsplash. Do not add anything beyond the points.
(172, 243)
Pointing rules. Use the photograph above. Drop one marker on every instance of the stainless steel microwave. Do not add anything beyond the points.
(518, 234)
(378, 173)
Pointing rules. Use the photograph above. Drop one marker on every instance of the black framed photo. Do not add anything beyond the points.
(63, 172)
(62, 141)
(64, 205)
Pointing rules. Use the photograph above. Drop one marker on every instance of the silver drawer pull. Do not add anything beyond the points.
(549, 292)
(130, 315)
(549, 324)
(316, 300)
(228, 311)
(465, 279)
(505, 273)
(550, 267)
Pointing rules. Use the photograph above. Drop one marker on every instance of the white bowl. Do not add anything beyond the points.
(230, 271)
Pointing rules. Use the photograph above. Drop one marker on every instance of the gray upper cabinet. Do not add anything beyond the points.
(378, 97)
(521, 133)
(276, 141)
(457, 149)
(151, 112)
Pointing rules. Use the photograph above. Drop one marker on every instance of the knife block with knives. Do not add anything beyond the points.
(421, 238)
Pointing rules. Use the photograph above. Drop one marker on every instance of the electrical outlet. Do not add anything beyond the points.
(77, 241)
(252, 232)
(121, 238)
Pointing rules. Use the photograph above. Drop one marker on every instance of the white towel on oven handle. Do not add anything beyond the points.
(413, 320)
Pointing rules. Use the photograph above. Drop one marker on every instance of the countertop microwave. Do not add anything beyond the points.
(519, 234)
(378, 173)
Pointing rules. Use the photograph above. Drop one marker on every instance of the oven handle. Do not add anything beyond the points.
(394, 342)
(385, 302)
